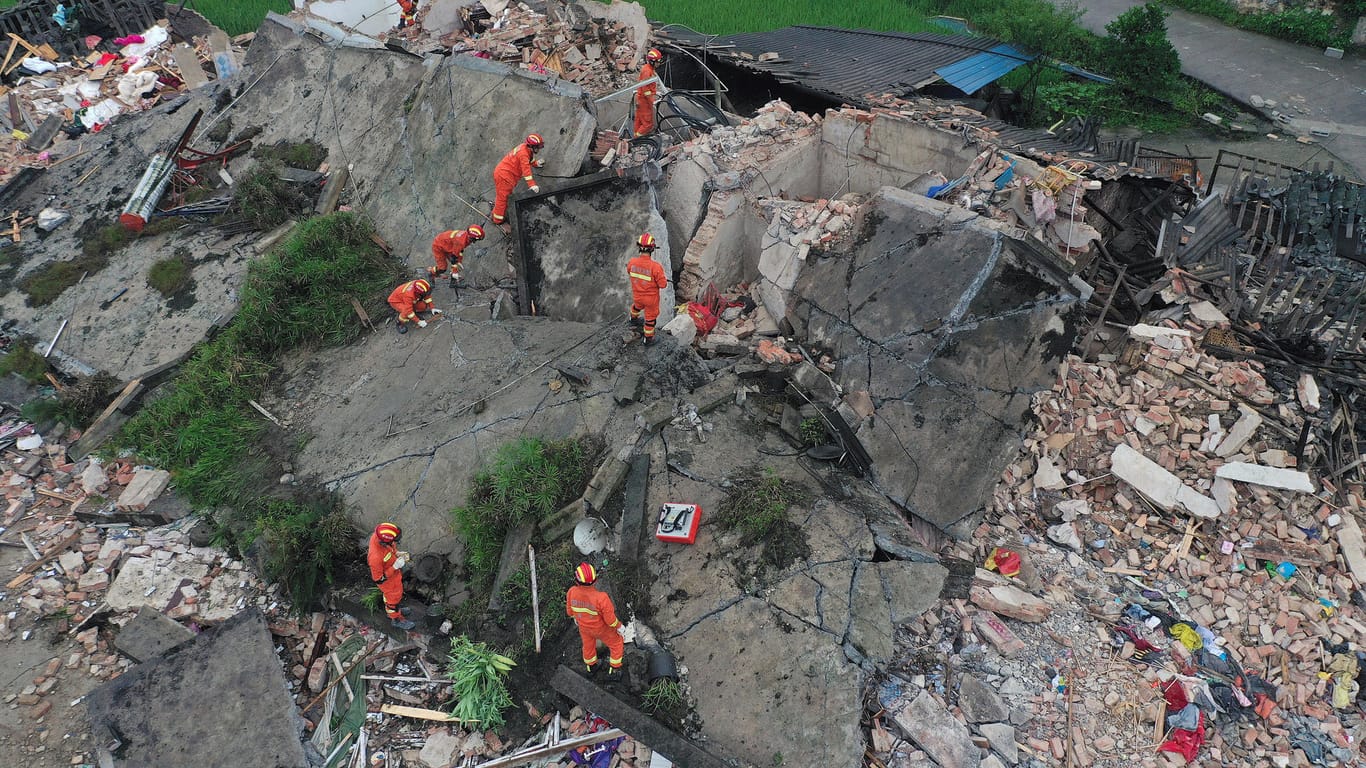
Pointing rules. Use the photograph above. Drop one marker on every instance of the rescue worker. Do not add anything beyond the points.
(647, 280)
(386, 569)
(407, 16)
(591, 609)
(449, 248)
(645, 95)
(411, 299)
(514, 167)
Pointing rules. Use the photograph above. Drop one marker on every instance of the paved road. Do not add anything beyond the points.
(1317, 93)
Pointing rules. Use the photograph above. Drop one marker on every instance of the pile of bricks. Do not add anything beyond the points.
(1269, 570)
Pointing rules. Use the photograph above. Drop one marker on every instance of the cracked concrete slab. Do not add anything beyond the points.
(933, 312)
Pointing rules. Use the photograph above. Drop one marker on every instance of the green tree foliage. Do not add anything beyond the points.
(1141, 58)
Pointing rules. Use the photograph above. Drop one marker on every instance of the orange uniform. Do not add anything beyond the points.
(449, 249)
(645, 101)
(647, 280)
(514, 167)
(407, 13)
(388, 578)
(408, 299)
(596, 618)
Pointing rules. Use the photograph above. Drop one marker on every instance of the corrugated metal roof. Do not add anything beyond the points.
(976, 72)
(846, 63)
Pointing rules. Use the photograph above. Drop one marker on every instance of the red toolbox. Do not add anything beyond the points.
(677, 523)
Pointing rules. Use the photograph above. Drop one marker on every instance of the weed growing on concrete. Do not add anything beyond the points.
(554, 574)
(663, 695)
(478, 673)
(23, 360)
(373, 600)
(305, 155)
(756, 508)
(265, 199)
(530, 480)
(812, 431)
(170, 275)
(203, 430)
(80, 403)
(45, 284)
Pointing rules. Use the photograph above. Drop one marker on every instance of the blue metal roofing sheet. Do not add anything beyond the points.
(975, 72)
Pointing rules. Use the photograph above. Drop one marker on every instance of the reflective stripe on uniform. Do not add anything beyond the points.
(388, 556)
(639, 276)
(614, 661)
(588, 611)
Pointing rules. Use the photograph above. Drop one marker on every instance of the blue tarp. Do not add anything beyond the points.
(976, 72)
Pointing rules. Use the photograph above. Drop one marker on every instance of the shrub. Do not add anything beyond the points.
(480, 690)
(530, 479)
(1141, 57)
(23, 360)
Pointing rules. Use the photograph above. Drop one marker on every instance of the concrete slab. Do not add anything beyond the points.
(143, 581)
(145, 487)
(201, 705)
(1275, 477)
(949, 331)
(149, 635)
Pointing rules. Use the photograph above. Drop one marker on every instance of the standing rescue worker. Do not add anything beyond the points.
(411, 298)
(647, 280)
(386, 569)
(449, 248)
(407, 13)
(645, 95)
(591, 609)
(514, 167)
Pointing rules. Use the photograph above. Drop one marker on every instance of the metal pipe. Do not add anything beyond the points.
(58, 336)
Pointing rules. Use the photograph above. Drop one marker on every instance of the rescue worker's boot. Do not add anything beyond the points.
(637, 323)
(402, 328)
(649, 341)
(404, 624)
(406, 611)
(613, 675)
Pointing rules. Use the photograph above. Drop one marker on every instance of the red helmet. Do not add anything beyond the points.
(654, 55)
(535, 141)
(647, 242)
(585, 574)
(388, 532)
(422, 286)
(476, 232)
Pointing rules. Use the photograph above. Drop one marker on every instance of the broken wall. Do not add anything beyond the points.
(863, 153)
(934, 315)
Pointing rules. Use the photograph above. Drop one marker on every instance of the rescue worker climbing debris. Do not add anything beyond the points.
(596, 618)
(449, 249)
(645, 95)
(407, 13)
(386, 569)
(647, 280)
(514, 167)
(410, 300)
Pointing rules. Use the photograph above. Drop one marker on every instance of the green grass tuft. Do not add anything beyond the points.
(23, 360)
(170, 275)
(203, 430)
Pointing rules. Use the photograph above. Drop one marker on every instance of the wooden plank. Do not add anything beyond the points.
(332, 191)
(104, 425)
(48, 53)
(52, 552)
(188, 63)
(45, 133)
(678, 748)
(13, 44)
(55, 495)
(421, 714)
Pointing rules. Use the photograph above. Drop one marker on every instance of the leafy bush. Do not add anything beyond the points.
(1142, 59)
(23, 360)
(530, 479)
(373, 600)
(480, 690)
(203, 430)
(1306, 26)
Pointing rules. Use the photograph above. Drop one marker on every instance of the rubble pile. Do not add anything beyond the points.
(737, 153)
(84, 94)
(1155, 552)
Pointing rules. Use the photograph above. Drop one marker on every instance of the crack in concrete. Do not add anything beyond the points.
(801, 620)
(709, 614)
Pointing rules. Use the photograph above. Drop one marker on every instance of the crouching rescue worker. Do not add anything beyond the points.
(407, 13)
(449, 249)
(386, 568)
(410, 300)
(647, 280)
(592, 611)
(645, 95)
(515, 167)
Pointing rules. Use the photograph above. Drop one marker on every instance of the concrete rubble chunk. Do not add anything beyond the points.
(1145, 475)
(93, 479)
(1001, 736)
(1241, 433)
(1275, 477)
(1047, 477)
(1010, 601)
(143, 489)
(150, 634)
(1145, 331)
(1207, 314)
(142, 581)
(926, 722)
(1353, 547)
(990, 626)
(979, 703)
(1197, 503)
(1307, 391)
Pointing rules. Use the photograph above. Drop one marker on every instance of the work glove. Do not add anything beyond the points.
(535, 189)
(399, 563)
(421, 323)
(537, 163)
(436, 311)
(621, 630)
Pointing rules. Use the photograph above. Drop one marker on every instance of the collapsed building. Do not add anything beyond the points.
(908, 274)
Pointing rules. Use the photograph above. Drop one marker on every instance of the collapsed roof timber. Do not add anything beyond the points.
(896, 284)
